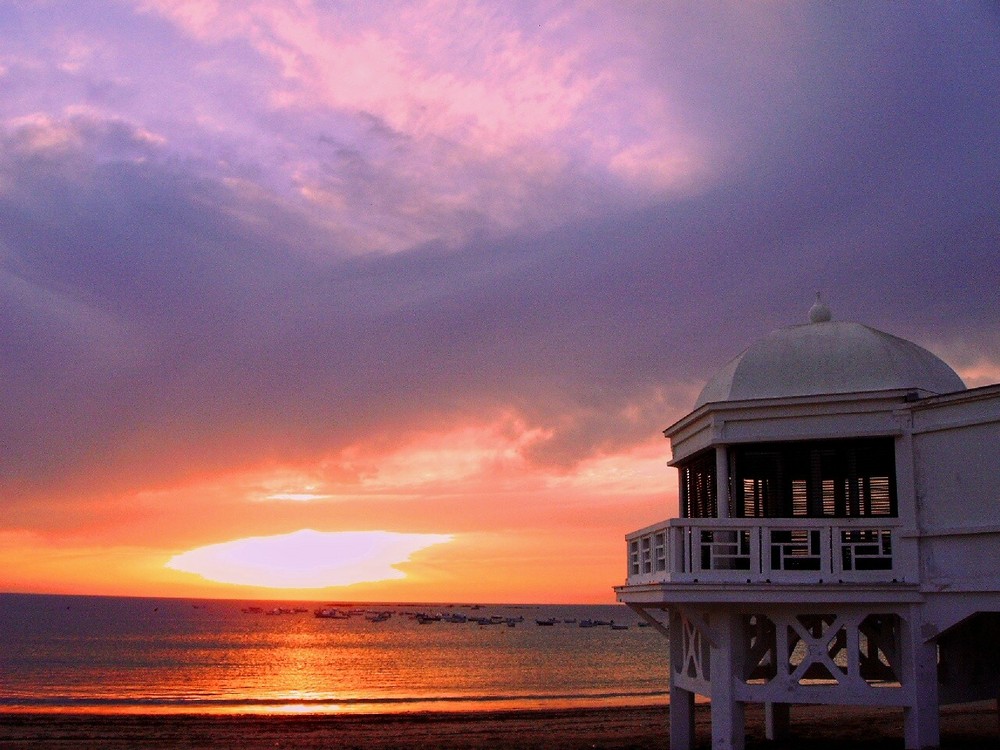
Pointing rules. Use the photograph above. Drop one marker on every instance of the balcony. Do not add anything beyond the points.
(772, 550)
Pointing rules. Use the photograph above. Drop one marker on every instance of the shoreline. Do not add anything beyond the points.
(340, 707)
(963, 727)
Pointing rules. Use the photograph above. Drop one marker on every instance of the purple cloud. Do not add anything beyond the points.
(214, 247)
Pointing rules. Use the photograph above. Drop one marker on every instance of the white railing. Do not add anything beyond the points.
(772, 550)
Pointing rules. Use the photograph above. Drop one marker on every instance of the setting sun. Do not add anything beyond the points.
(306, 558)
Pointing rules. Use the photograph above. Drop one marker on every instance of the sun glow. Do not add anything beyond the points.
(306, 558)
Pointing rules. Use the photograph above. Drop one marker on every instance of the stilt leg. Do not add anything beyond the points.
(681, 700)
(728, 721)
(681, 719)
(921, 727)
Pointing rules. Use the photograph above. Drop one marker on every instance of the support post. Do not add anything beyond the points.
(681, 700)
(728, 720)
(921, 718)
(681, 718)
(721, 481)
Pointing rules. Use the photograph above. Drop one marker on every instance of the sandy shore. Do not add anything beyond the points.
(817, 728)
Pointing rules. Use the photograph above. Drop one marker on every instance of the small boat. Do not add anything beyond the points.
(551, 621)
(618, 627)
(330, 614)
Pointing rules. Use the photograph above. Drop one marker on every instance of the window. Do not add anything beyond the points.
(698, 486)
(814, 479)
(660, 550)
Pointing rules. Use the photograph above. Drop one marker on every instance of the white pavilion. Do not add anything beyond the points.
(838, 539)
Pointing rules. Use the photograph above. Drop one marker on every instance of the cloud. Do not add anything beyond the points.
(451, 121)
(223, 255)
(297, 497)
(306, 558)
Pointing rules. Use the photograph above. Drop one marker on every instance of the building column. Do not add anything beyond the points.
(921, 718)
(681, 700)
(906, 552)
(728, 721)
(721, 481)
(681, 718)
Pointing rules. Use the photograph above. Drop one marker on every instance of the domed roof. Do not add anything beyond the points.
(827, 356)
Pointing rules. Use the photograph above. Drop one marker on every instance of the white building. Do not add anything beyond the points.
(839, 538)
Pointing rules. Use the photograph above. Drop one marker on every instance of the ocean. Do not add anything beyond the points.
(140, 655)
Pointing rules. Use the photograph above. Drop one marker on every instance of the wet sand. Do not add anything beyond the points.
(968, 727)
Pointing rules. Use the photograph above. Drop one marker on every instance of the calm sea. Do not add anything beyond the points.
(71, 653)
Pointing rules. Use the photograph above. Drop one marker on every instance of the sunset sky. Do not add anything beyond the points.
(445, 269)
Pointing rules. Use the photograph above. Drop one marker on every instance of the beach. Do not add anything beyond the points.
(969, 727)
(215, 676)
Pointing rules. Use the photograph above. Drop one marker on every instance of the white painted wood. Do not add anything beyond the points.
(728, 720)
(681, 718)
(722, 481)
(845, 611)
(681, 699)
(740, 551)
(921, 718)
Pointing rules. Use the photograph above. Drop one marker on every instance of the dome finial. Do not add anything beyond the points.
(819, 312)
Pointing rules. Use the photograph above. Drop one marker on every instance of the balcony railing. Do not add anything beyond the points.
(771, 550)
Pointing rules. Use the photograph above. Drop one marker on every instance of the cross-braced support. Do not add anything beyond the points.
(781, 656)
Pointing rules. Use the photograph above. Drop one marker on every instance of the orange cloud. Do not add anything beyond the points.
(519, 532)
(983, 372)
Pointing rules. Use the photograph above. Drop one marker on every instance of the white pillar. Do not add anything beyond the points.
(906, 482)
(921, 718)
(681, 700)
(728, 721)
(721, 481)
(681, 718)
(906, 545)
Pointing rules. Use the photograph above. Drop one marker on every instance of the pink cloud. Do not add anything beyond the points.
(465, 74)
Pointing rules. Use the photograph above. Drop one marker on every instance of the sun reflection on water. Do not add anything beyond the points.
(131, 656)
